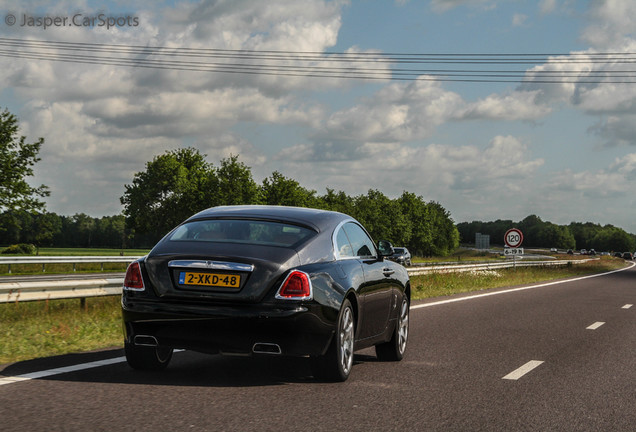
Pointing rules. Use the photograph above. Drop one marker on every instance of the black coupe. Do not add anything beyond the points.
(270, 280)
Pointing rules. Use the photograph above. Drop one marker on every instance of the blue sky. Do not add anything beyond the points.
(485, 151)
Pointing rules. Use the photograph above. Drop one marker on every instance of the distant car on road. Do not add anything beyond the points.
(401, 255)
(628, 256)
(267, 280)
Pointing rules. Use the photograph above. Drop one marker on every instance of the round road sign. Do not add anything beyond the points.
(513, 238)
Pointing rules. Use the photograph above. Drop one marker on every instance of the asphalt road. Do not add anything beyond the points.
(556, 357)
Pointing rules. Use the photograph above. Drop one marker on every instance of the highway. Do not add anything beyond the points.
(558, 356)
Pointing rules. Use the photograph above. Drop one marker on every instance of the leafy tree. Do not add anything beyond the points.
(583, 233)
(16, 161)
(235, 184)
(421, 233)
(336, 201)
(45, 226)
(174, 186)
(611, 238)
(280, 190)
(382, 217)
(445, 234)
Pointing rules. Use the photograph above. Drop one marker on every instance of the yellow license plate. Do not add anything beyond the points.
(210, 279)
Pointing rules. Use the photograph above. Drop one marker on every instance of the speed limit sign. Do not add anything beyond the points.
(513, 238)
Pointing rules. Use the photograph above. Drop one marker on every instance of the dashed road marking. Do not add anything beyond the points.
(594, 326)
(627, 306)
(518, 373)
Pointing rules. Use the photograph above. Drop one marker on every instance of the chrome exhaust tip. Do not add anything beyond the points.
(266, 348)
(145, 340)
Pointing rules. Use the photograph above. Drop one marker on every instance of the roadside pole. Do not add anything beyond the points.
(513, 239)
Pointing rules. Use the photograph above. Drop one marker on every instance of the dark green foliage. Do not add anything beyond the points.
(16, 161)
(20, 249)
(538, 233)
(174, 186)
(280, 190)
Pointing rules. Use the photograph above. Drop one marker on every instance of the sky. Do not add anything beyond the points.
(564, 150)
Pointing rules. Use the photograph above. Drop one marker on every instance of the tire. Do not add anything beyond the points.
(394, 349)
(147, 358)
(337, 362)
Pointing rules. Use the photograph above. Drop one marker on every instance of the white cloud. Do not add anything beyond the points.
(612, 22)
(518, 105)
(440, 170)
(398, 112)
(613, 181)
(518, 20)
(547, 6)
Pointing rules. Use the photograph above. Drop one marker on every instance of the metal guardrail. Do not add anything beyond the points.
(27, 290)
(458, 267)
(44, 260)
(62, 289)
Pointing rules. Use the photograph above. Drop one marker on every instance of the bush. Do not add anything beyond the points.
(20, 249)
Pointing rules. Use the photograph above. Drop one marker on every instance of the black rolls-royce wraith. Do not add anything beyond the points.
(267, 280)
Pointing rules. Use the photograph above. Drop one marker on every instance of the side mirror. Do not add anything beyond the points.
(385, 247)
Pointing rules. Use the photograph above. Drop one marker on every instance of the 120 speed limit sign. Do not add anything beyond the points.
(513, 238)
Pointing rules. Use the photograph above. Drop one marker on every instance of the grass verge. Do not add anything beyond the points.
(38, 329)
(44, 328)
(444, 284)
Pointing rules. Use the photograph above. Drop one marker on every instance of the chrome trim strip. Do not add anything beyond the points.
(212, 265)
(153, 341)
(277, 350)
(334, 243)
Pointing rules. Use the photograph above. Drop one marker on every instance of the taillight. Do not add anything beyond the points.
(297, 286)
(133, 280)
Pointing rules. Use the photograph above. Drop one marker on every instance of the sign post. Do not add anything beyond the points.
(513, 239)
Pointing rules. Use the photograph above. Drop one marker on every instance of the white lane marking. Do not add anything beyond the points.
(57, 371)
(595, 325)
(627, 306)
(66, 369)
(518, 373)
(459, 299)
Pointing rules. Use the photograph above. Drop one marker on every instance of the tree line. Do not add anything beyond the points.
(179, 183)
(539, 233)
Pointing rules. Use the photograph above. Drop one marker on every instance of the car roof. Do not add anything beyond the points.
(318, 219)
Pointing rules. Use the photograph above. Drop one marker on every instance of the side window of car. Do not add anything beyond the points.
(360, 241)
(343, 245)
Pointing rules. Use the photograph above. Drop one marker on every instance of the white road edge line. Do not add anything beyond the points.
(459, 299)
(518, 373)
(57, 371)
(66, 369)
(627, 306)
(594, 326)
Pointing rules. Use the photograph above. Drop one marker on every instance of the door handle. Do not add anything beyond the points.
(388, 271)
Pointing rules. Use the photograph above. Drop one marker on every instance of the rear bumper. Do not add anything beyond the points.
(297, 329)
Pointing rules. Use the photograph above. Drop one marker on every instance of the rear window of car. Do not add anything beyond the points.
(242, 231)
